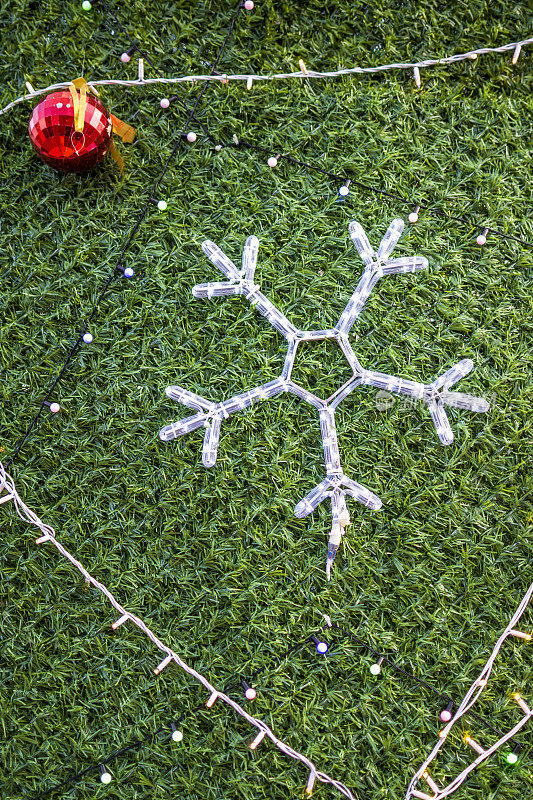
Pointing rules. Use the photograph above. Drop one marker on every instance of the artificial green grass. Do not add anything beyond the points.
(214, 560)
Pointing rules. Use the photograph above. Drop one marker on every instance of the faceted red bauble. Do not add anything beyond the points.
(55, 140)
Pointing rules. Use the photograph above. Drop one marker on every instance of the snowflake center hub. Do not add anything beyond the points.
(319, 364)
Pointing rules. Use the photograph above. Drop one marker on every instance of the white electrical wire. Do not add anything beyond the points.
(468, 701)
(26, 514)
(303, 73)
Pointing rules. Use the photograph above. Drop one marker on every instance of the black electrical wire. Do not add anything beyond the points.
(235, 682)
(125, 248)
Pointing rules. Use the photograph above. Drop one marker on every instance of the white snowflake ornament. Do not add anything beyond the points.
(336, 485)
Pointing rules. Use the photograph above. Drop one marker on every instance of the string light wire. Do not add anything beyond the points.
(48, 536)
(125, 248)
(308, 73)
(375, 190)
(135, 48)
(468, 701)
(48, 533)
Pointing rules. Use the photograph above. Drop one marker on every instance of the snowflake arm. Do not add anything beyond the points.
(189, 399)
(331, 487)
(435, 395)
(337, 398)
(304, 395)
(376, 265)
(361, 493)
(390, 240)
(249, 257)
(215, 289)
(357, 301)
(183, 426)
(328, 431)
(241, 282)
(212, 414)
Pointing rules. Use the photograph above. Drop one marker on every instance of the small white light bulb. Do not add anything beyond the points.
(413, 216)
(125, 58)
(258, 739)
(55, 407)
(177, 735)
(481, 239)
(375, 669)
(467, 739)
(105, 776)
(191, 137)
(120, 621)
(526, 636)
(164, 102)
(87, 338)
(162, 205)
(321, 647)
(249, 692)
(160, 667)
(272, 162)
(344, 190)
(128, 272)
(521, 702)
(248, 5)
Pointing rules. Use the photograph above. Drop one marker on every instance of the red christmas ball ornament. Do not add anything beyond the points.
(71, 130)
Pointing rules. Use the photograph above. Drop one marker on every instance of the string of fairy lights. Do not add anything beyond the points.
(8, 492)
(85, 336)
(447, 714)
(170, 656)
(473, 694)
(322, 647)
(303, 73)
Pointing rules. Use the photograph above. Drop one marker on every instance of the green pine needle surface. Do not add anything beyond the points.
(214, 560)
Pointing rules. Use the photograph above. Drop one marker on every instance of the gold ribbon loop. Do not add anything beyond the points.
(79, 104)
(122, 129)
